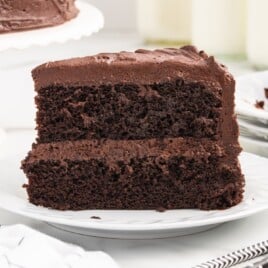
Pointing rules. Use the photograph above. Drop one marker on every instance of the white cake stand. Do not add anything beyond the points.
(89, 20)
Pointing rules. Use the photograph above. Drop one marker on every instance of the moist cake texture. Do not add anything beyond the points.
(18, 15)
(135, 130)
(167, 109)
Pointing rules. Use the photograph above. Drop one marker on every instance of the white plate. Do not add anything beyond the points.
(88, 21)
(137, 224)
(254, 146)
(253, 129)
(2, 140)
(250, 88)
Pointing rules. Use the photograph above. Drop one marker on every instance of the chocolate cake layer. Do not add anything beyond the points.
(18, 15)
(126, 95)
(140, 174)
(128, 111)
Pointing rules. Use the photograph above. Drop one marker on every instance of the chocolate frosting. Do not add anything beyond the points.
(141, 66)
(116, 150)
(29, 14)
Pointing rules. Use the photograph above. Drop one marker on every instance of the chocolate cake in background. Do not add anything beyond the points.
(135, 130)
(21, 15)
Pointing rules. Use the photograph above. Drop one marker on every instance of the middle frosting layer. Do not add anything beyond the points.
(118, 150)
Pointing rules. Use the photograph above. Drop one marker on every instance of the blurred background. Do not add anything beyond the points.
(234, 31)
(228, 28)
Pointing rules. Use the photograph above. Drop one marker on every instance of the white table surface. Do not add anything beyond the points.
(173, 252)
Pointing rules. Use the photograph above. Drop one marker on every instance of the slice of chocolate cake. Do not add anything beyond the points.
(135, 130)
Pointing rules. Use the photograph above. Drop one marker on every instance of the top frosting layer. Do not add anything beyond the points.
(28, 14)
(141, 66)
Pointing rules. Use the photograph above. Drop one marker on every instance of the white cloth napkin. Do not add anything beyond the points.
(23, 247)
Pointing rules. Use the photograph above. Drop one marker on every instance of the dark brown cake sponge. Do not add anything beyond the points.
(145, 174)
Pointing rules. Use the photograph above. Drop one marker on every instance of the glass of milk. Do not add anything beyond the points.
(257, 33)
(165, 21)
(219, 26)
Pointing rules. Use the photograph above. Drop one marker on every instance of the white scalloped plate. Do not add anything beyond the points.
(88, 21)
(2, 140)
(254, 146)
(139, 224)
(253, 130)
(249, 89)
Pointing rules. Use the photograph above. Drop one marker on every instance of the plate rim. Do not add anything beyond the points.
(241, 109)
(93, 224)
(261, 129)
(254, 141)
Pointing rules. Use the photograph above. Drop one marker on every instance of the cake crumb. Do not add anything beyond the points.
(266, 92)
(259, 104)
(160, 209)
(95, 217)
